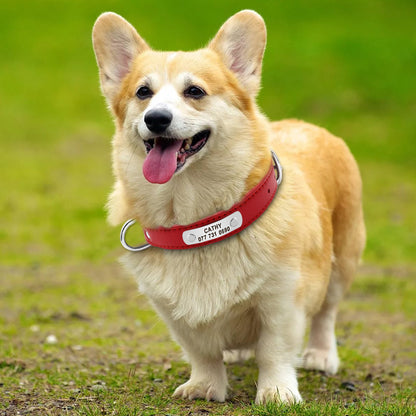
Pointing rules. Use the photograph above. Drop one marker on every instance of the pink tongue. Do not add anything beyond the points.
(161, 162)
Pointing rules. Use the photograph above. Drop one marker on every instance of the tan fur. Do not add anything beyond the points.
(253, 290)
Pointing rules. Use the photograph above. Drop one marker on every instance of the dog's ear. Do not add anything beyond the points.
(116, 44)
(240, 42)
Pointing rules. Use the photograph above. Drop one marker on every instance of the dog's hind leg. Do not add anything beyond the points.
(348, 244)
(237, 356)
(321, 351)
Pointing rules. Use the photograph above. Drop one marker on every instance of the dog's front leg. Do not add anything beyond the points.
(203, 349)
(276, 353)
(208, 379)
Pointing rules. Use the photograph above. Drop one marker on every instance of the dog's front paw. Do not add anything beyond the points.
(322, 360)
(201, 390)
(281, 394)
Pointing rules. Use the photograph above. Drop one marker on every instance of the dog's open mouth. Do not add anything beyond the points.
(166, 155)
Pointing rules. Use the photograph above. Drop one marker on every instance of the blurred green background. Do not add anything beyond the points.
(349, 66)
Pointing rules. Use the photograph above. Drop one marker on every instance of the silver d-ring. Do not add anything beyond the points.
(277, 168)
(123, 232)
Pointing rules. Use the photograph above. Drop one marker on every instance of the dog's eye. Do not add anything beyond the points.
(194, 92)
(144, 92)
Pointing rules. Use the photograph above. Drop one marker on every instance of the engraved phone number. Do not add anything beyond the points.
(214, 234)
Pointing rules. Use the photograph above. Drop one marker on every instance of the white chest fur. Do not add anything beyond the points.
(200, 284)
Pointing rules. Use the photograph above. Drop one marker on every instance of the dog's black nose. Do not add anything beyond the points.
(157, 121)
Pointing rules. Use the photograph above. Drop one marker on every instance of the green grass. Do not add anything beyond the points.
(114, 355)
(347, 65)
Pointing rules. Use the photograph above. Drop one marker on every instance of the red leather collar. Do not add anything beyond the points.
(216, 227)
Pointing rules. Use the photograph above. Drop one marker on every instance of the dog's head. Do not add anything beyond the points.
(171, 108)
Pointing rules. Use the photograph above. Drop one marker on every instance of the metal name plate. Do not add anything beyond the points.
(214, 230)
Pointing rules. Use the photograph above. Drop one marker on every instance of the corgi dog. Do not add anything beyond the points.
(190, 142)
